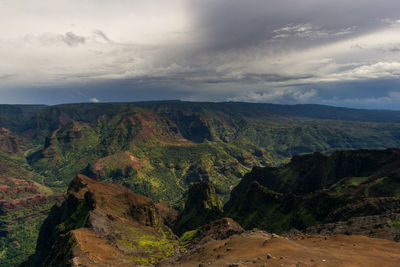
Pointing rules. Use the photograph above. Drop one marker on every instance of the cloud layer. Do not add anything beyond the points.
(312, 51)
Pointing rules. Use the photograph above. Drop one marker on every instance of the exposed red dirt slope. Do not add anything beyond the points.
(106, 225)
(11, 143)
(257, 248)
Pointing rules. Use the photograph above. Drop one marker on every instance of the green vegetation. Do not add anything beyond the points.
(154, 247)
(19, 232)
(385, 186)
(19, 227)
(14, 117)
(201, 207)
(188, 236)
(160, 148)
(347, 184)
(317, 188)
(183, 143)
(65, 154)
(77, 219)
(129, 226)
(396, 223)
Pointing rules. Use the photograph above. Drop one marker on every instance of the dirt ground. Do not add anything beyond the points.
(262, 249)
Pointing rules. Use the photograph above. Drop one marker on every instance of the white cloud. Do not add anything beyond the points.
(52, 43)
(94, 100)
(309, 31)
(278, 96)
(373, 71)
(61, 42)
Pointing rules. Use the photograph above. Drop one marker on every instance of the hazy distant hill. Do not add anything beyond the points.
(14, 117)
(337, 113)
(169, 144)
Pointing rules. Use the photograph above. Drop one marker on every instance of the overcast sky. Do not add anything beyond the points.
(344, 53)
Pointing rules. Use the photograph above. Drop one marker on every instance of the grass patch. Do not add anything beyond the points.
(188, 236)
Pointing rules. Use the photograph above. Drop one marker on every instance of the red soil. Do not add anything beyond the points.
(261, 249)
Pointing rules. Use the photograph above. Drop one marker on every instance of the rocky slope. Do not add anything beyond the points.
(101, 224)
(11, 143)
(202, 206)
(316, 189)
(257, 248)
(14, 117)
(160, 148)
(168, 214)
(24, 201)
(381, 226)
(20, 221)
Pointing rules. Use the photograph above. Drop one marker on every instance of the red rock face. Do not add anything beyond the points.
(18, 194)
(101, 224)
(167, 213)
(11, 188)
(10, 142)
(9, 206)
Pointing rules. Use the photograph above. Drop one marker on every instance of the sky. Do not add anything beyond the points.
(342, 53)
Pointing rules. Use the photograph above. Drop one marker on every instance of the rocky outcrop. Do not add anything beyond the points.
(102, 224)
(217, 230)
(11, 143)
(193, 241)
(168, 214)
(317, 189)
(202, 206)
(308, 173)
(11, 188)
(10, 206)
(366, 206)
(381, 226)
(259, 248)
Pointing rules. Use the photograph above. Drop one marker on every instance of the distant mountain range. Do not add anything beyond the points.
(159, 149)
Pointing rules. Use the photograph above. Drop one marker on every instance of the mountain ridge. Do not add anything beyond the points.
(160, 149)
(345, 184)
(102, 224)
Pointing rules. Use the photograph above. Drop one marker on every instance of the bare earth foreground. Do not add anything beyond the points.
(257, 248)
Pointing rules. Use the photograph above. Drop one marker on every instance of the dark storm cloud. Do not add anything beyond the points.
(286, 51)
(251, 78)
(234, 24)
